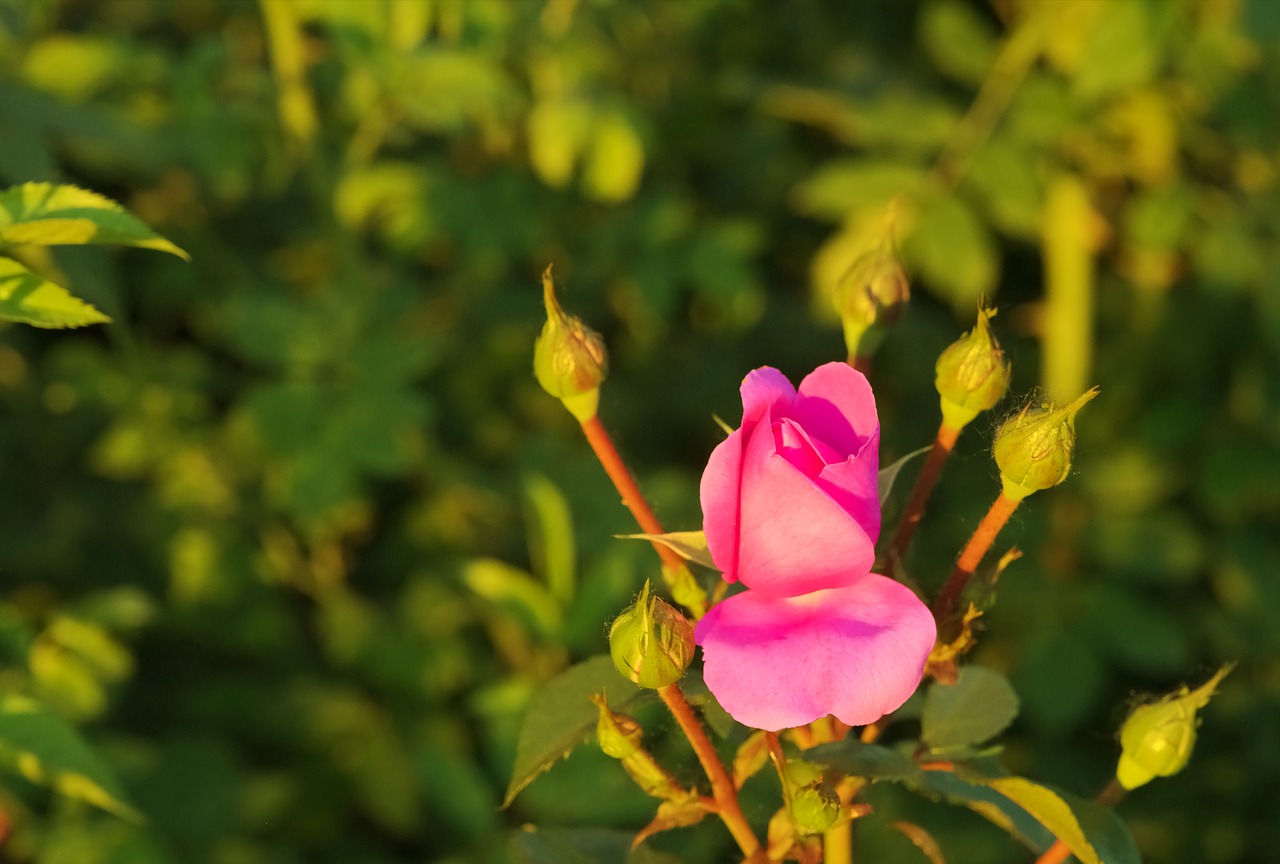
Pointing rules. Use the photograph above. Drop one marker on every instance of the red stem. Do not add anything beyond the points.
(971, 557)
(943, 443)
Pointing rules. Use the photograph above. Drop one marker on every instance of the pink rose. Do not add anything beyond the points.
(791, 510)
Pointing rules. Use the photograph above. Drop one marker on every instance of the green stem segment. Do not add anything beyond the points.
(722, 788)
(943, 443)
(972, 555)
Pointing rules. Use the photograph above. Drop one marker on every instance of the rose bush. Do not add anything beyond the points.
(791, 510)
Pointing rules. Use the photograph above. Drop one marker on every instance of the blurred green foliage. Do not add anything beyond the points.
(295, 539)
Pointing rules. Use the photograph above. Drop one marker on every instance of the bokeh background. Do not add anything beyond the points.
(295, 539)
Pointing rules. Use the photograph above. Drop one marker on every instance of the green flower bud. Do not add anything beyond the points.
(1034, 447)
(1157, 739)
(972, 374)
(651, 643)
(619, 735)
(815, 808)
(569, 359)
(870, 297)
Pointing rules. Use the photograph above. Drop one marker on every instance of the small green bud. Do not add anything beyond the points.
(870, 297)
(972, 374)
(815, 808)
(619, 735)
(1157, 739)
(569, 359)
(1034, 447)
(651, 643)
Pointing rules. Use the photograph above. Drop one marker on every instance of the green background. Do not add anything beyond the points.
(295, 539)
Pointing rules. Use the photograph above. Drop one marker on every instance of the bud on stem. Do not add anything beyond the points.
(1034, 447)
(870, 297)
(1157, 739)
(651, 643)
(972, 374)
(569, 359)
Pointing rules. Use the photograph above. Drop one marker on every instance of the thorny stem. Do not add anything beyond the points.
(722, 788)
(602, 444)
(1058, 852)
(977, 547)
(943, 443)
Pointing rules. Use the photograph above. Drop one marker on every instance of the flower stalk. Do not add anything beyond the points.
(971, 557)
(943, 443)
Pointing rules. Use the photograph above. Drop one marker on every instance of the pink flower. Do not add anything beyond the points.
(791, 510)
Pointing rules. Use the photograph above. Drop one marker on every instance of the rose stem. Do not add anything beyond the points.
(722, 789)
(602, 444)
(861, 362)
(943, 443)
(1058, 852)
(977, 546)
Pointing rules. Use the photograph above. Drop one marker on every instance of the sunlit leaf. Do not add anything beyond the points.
(844, 185)
(889, 475)
(980, 705)
(953, 252)
(561, 716)
(51, 214)
(689, 545)
(959, 41)
(551, 537)
(50, 751)
(615, 158)
(30, 299)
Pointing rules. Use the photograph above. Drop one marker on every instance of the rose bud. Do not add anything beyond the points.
(870, 297)
(569, 359)
(1157, 739)
(1034, 447)
(815, 808)
(651, 643)
(972, 374)
(619, 735)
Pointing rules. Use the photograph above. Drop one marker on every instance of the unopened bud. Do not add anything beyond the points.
(1034, 447)
(619, 735)
(870, 297)
(651, 643)
(569, 359)
(1157, 739)
(972, 374)
(815, 808)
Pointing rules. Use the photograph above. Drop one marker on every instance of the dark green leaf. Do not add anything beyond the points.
(988, 803)
(856, 759)
(561, 716)
(977, 707)
(890, 475)
(531, 845)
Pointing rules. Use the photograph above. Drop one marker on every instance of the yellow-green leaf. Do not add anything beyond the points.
(47, 750)
(30, 299)
(1051, 812)
(50, 214)
(689, 545)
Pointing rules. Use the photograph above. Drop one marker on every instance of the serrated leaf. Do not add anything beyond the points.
(986, 802)
(856, 759)
(888, 476)
(50, 214)
(28, 298)
(50, 751)
(689, 545)
(980, 705)
(1050, 811)
(561, 716)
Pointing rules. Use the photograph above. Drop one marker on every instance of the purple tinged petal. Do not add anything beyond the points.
(793, 537)
(856, 652)
(836, 406)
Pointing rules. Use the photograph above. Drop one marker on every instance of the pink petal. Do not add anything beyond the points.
(793, 537)
(801, 450)
(836, 406)
(855, 485)
(855, 652)
(762, 389)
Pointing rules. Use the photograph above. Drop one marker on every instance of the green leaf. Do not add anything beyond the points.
(977, 707)
(1051, 811)
(50, 751)
(844, 185)
(856, 759)
(53, 215)
(30, 299)
(689, 545)
(954, 253)
(958, 40)
(986, 802)
(888, 476)
(561, 716)
(551, 539)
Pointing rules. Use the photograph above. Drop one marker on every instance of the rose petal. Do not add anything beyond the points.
(761, 390)
(793, 537)
(836, 406)
(855, 652)
(855, 486)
